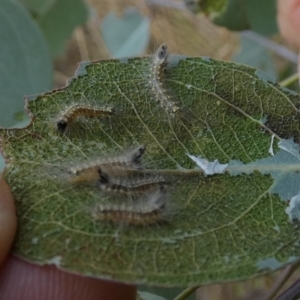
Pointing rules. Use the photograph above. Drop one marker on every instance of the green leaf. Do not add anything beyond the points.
(223, 227)
(209, 7)
(256, 56)
(128, 36)
(259, 16)
(38, 7)
(235, 16)
(262, 16)
(60, 21)
(26, 67)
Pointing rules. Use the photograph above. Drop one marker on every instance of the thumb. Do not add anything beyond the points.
(8, 219)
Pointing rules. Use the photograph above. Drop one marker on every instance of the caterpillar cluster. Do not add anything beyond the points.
(141, 197)
(77, 113)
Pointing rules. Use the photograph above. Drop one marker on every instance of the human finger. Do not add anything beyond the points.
(8, 219)
(20, 280)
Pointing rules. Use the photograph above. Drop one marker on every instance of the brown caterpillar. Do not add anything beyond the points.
(158, 67)
(75, 111)
(128, 160)
(149, 210)
(134, 185)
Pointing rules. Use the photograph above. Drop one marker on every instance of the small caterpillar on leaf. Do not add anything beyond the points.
(75, 111)
(134, 185)
(149, 210)
(130, 159)
(159, 64)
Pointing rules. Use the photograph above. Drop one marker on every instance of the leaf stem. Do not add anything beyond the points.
(290, 80)
(187, 292)
(282, 279)
(185, 173)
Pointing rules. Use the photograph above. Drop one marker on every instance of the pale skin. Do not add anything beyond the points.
(22, 280)
(288, 19)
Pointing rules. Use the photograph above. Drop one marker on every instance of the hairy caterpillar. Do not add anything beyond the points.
(134, 185)
(159, 64)
(149, 210)
(130, 159)
(75, 111)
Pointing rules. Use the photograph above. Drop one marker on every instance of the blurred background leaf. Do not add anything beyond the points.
(128, 35)
(26, 67)
(59, 22)
(209, 7)
(39, 7)
(257, 15)
(255, 55)
(262, 16)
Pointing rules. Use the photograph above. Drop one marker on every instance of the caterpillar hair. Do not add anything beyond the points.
(159, 64)
(126, 161)
(75, 111)
(149, 210)
(134, 185)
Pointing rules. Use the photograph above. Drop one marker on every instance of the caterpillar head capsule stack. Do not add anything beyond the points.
(139, 196)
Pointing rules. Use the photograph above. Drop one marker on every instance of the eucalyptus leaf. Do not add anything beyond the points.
(25, 64)
(126, 36)
(38, 7)
(59, 21)
(259, 16)
(262, 16)
(221, 227)
(255, 55)
(235, 16)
